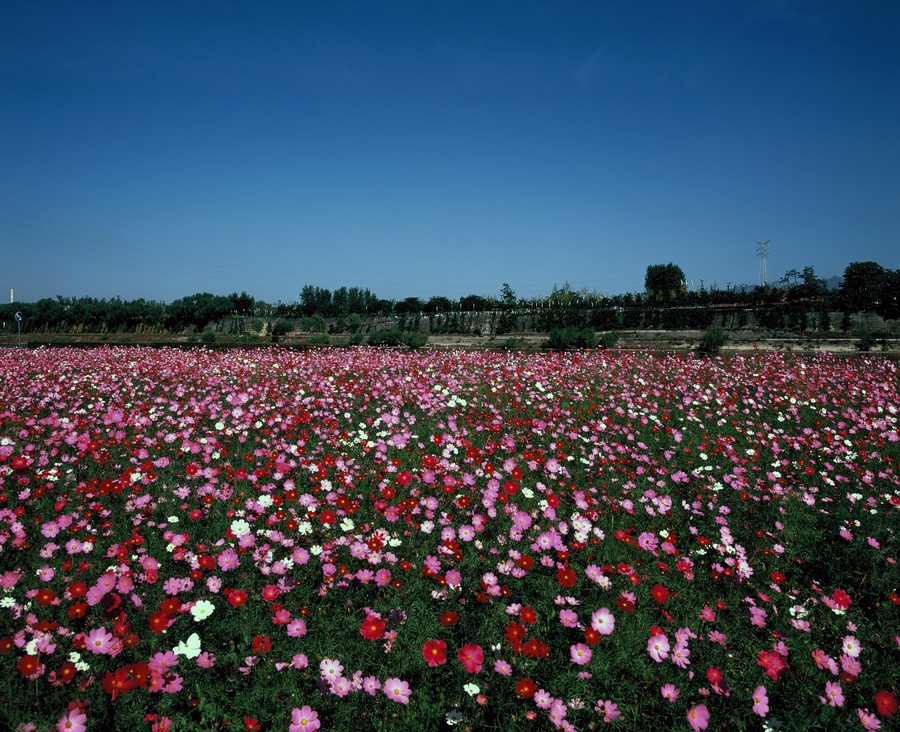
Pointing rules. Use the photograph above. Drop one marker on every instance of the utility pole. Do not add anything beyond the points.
(762, 251)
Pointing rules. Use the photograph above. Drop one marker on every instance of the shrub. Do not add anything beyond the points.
(282, 327)
(355, 339)
(208, 337)
(714, 338)
(255, 324)
(320, 339)
(610, 339)
(571, 337)
(416, 339)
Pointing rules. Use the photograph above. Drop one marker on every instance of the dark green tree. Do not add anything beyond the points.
(861, 288)
(664, 282)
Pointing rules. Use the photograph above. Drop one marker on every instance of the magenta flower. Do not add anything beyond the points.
(868, 720)
(397, 690)
(670, 692)
(371, 685)
(304, 720)
(698, 717)
(502, 667)
(608, 709)
(760, 701)
(834, 694)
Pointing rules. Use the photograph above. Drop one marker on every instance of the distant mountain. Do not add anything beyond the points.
(834, 283)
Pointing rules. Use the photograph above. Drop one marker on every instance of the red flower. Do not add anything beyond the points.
(526, 688)
(435, 653)
(714, 675)
(660, 594)
(886, 703)
(591, 636)
(449, 618)
(251, 723)
(118, 683)
(28, 665)
(262, 644)
(528, 615)
(158, 620)
(566, 577)
(515, 634)
(777, 577)
(237, 598)
(327, 517)
(841, 599)
(66, 672)
(372, 628)
(772, 663)
(471, 656)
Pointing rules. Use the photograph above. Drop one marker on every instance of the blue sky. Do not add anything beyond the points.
(416, 148)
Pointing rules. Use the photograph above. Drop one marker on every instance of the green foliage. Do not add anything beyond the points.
(353, 322)
(208, 336)
(282, 327)
(356, 339)
(664, 282)
(255, 324)
(562, 339)
(714, 338)
(393, 338)
(861, 288)
(319, 339)
(610, 339)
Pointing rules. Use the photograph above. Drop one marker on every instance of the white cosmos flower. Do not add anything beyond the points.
(239, 527)
(347, 525)
(471, 689)
(189, 649)
(202, 610)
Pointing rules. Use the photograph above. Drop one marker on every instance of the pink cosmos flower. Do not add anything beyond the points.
(304, 720)
(851, 646)
(206, 660)
(99, 641)
(868, 720)
(543, 699)
(608, 709)
(74, 721)
(296, 628)
(502, 667)
(568, 618)
(580, 653)
(397, 690)
(603, 621)
(162, 662)
(658, 648)
(708, 614)
(371, 685)
(670, 692)
(834, 694)
(698, 717)
(681, 655)
(760, 701)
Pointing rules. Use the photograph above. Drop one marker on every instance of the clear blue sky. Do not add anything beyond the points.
(154, 150)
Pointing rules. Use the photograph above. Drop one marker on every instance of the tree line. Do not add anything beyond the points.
(799, 300)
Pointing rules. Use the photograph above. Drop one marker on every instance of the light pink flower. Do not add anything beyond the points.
(670, 692)
(603, 621)
(851, 646)
(397, 690)
(99, 641)
(868, 720)
(74, 721)
(760, 701)
(581, 654)
(834, 694)
(658, 648)
(304, 720)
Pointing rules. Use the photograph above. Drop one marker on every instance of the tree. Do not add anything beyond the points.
(507, 296)
(243, 303)
(862, 286)
(664, 282)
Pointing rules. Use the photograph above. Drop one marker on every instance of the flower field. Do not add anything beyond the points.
(368, 539)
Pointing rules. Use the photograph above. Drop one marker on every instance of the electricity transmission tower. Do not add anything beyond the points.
(762, 251)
